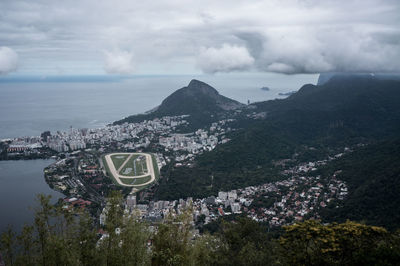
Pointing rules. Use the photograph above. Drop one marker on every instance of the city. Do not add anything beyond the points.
(81, 176)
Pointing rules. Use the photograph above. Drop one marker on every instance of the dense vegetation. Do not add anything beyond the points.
(241, 162)
(309, 125)
(58, 237)
(373, 176)
(343, 111)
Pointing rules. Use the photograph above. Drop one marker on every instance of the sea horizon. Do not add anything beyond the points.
(32, 106)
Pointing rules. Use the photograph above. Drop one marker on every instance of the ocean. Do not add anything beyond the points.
(28, 108)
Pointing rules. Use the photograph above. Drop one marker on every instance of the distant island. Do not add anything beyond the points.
(265, 89)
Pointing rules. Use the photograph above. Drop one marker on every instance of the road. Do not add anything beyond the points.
(118, 177)
(94, 195)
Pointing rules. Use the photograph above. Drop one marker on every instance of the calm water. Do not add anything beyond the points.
(20, 181)
(29, 108)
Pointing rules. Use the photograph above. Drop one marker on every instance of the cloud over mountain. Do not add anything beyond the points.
(8, 60)
(325, 49)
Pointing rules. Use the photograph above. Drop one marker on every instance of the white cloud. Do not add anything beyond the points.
(318, 49)
(225, 59)
(118, 62)
(8, 60)
(288, 36)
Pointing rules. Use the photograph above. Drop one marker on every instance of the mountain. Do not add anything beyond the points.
(325, 77)
(344, 110)
(199, 100)
(373, 176)
(308, 125)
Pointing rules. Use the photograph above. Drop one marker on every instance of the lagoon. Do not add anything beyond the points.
(20, 182)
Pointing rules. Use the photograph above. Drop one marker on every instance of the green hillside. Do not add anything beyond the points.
(327, 118)
(373, 176)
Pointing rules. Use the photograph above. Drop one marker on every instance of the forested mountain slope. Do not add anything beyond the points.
(373, 176)
(340, 113)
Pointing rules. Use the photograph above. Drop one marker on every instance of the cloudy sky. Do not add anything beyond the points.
(86, 37)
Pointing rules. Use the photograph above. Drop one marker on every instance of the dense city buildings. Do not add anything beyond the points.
(81, 175)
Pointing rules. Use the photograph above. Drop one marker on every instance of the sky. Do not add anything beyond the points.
(129, 37)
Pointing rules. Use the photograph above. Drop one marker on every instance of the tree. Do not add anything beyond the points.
(26, 241)
(7, 245)
(134, 239)
(350, 243)
(87, 238)
(110, 247)
(171, 242)
(42, 225)
(208, 250)
(247, 242)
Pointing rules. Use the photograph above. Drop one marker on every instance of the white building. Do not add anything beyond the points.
(232, 195)
(235, 207)
(222, 195)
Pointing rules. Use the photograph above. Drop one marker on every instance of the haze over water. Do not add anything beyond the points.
(29, 108)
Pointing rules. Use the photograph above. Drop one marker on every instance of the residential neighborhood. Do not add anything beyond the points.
(296, 198)
(80, 174)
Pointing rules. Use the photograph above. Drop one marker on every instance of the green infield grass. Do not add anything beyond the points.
(119, 159)
(135, 166)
